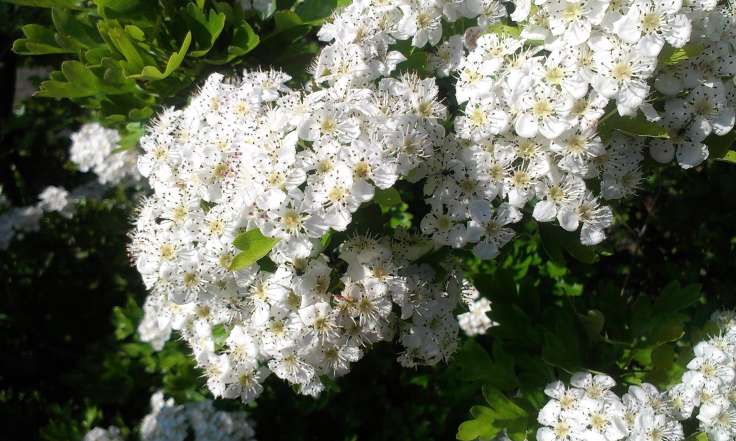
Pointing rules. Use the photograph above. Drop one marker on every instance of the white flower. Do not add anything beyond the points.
(476, 321)
(594, 217)
(488, 228)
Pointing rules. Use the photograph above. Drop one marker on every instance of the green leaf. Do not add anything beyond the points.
(501, 28)
(479, 427)
(70, 26)
(475, 364)
(315, 10)
(205, 29)
(253, 245)
(593, 322)
(636, 126)
(719, 146)
(387, 198)
(286, 19)
(730, 157)
(503, 408)
(244, 40)
(175, 60)
(122, 42)
(81, 82)
(130, 136)
(135, 32)
(676, 298)
(118, 5)
(671, 56)
(667, 331)
(555, 240)
(39, 41)
(69, 4)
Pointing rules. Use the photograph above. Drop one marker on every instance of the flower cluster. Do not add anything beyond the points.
(170, 422)
(532, 104)
(93, 148)
(476, 320)
(589, 410)
(710, 382)
(700, 92)
(533, 97)
(310, 317)
(291, 164)
(19, 220)
(253, 155)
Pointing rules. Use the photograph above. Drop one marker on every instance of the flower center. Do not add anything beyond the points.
(622, 71)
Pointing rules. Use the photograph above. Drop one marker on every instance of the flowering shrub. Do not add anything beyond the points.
(256, 166)
(300, 214)
(169, 422)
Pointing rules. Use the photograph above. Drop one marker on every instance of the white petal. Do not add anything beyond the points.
(662, 151)
(544, 211)
(526, 126)
(568, 219)
(691, 154)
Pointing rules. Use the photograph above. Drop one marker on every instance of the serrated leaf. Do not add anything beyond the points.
(39, 41)
(122, 42)
(80, 82)
(175, 60)
(69, 26)
(253, 245)
(244, 40)
(205, 29)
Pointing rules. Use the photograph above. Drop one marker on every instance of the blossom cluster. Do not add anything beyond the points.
(310, 317)
(533, 104)
(254, 155)
(196, 421)
(533, 97)
(701, 93)
(94, 149)
(590, 410)
(476, 320)
(16, 221)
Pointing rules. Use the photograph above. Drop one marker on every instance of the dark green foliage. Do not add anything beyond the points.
(70, 302)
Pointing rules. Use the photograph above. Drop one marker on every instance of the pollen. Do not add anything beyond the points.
(622, 71)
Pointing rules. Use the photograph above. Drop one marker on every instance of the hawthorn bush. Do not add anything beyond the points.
(368, 220)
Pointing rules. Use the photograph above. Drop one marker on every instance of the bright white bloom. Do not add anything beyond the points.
(55, 199)
(93, 149)
(591, 411)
